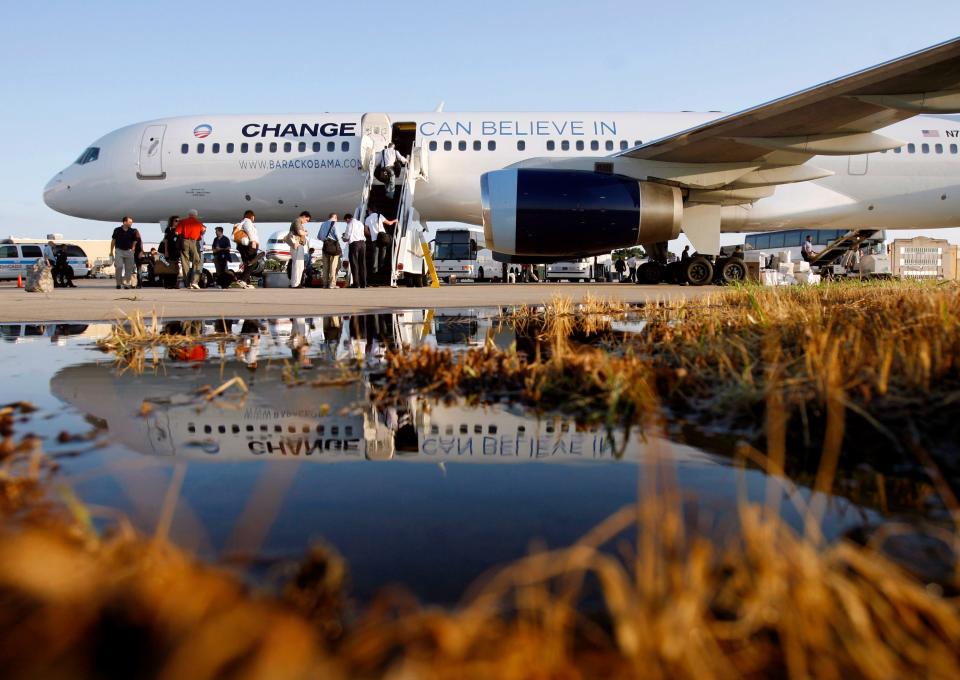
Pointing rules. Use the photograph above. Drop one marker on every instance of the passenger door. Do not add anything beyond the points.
(375, 131)
(151, 153)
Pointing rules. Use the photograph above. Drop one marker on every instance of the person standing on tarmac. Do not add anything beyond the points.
(123, 246)
(632, 266)
(620, 266)
(331, 250)
(297, 240)
(221, 254)
(248, 244)
(357, 242)
(191, 229)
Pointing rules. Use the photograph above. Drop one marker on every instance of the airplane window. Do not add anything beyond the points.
(184, 148)
(897, 150)
(551, 145)
(477, 145)
(433, 145)
(447, 146)
(608, 145)
(316, 147)
(258, 147)
(623, 145)
(953, 148)
(579, 145)
(244, 147)
(938, 148)
(331, 146)
(462, 145)
(521, 145)
(345, 146)
(925, 148)
(911, 148)
(565, 145)
(594, 145)
(287, 147)
(200, 147)
(637, 142)
(301, 147)
(273, 147)
(491, 145)
(215, 148)
(230, 147)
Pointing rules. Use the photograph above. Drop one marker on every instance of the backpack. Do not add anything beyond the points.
(240, 236)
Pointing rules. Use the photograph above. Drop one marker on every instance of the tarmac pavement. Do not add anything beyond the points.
(99, 300)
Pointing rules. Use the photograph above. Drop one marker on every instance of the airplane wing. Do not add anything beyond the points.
(838, 117)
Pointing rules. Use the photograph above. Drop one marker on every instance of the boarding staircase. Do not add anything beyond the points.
(407, 233)
(408, 251)
(835, 250)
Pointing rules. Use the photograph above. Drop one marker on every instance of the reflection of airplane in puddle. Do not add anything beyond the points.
(328, 423)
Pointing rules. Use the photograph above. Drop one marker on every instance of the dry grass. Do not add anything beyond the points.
(134, 336)
(883, 352)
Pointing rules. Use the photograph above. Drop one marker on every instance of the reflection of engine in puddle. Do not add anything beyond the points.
(304, 422)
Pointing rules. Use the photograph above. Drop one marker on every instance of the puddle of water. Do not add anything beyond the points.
(421, 494)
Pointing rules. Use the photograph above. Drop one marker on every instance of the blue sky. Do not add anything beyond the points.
(70, 72)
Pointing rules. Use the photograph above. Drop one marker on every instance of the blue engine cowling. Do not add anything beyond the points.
(547, 213)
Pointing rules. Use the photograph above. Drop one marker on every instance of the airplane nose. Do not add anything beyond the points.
(53, 192)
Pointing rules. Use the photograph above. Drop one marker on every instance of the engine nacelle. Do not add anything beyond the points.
(574, 213)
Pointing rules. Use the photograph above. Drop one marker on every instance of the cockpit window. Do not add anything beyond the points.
(89, 155)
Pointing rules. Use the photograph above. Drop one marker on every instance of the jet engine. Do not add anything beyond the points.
(556, 214)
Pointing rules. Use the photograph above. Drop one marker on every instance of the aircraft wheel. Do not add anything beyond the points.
(650, 273)
(698, 271)
(733, 271)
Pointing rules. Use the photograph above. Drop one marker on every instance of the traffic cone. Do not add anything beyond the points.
(19, 281)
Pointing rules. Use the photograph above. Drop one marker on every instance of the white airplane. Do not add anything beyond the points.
(850, 153)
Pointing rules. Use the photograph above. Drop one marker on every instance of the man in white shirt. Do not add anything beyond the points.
(807, 251)
(388, 167)
(357, 243)
(378, 250)
(248, 252)
(331, 260)
(632, 267)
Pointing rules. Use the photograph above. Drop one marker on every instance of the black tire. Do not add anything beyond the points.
(698, 271)
(733, 271)
(650, 273)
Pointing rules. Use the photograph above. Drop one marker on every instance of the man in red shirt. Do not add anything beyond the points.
(191, 229)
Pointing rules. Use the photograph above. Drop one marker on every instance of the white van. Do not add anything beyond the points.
(17, 258)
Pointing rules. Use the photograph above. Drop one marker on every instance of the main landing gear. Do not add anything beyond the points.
(698, 270)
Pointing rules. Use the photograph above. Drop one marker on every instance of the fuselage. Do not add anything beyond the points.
(278, 165)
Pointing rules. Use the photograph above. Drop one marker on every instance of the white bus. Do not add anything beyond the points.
(459, 252)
